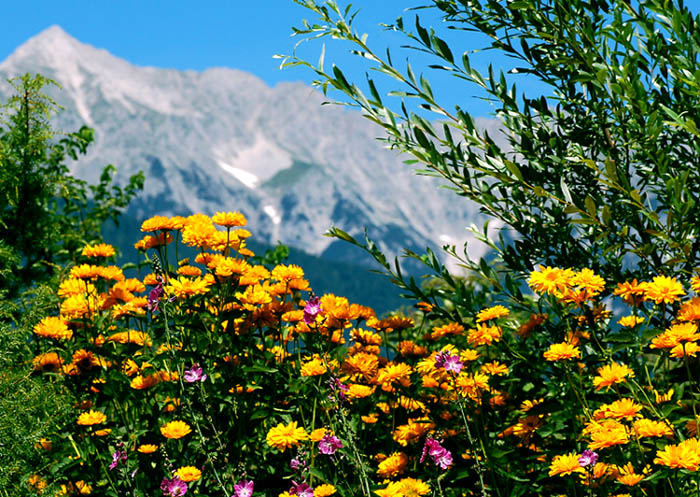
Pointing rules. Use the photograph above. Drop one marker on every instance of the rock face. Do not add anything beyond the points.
(223, 140)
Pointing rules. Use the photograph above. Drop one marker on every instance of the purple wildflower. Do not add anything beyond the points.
(588, 458)
(195, 373)
(117, 457)
(448, 361)
(440, 455)
(155, 295)
(297, 463)
(312, 309)
(329, 444)
(302, 490)
(243, 489)
(174, 487)
(339, 388)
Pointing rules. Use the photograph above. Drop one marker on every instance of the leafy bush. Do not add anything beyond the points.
(45, 216)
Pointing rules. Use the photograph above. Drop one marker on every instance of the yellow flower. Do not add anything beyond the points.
(175, 429)
(394, 373)
(37, 483)
(147, 448)
(684, 455)
(83, 488)
(586, 279)
(561, 351)
(356, 391)
(631, 292)
(91, 418)
(630, 321)
(550, 280)
(188, 270)
(407, 487)
(494, 368)
(370, 418)
(413, 431)
(663, 289)
(47, 361)
(98, 250)
(484, 335)
(283, 436)
(606, 433)
(229, 219)
(620, 409)
(313, 367)
(184, 287)
(188, 473)
(565, 464)
(690, 311)
(53, 327)
(611, 374)
(131, 336)
(324, 490)
(448, 329)
(393, 465)
(494, 312)
(318, 434)
(628, 477)
(286, 274)
(650, 428)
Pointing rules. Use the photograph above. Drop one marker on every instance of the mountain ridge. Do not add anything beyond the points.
(212, 140)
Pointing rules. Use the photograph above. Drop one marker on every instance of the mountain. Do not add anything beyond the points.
(222, 139)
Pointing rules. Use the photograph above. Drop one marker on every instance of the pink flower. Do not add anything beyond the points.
(588, 458)
(117, 457)
(312, 309)
(173, 488)
(195, 373)
(155, 295)
(448, 362)
(243, 489)
(302, 490)
(337, 387)
(329, 444)
(440, 455)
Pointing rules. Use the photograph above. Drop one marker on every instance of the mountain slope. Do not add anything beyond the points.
(222, 139)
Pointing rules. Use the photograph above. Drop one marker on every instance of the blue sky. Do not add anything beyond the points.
(240, 34)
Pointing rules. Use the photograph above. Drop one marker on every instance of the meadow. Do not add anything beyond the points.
(564, 364)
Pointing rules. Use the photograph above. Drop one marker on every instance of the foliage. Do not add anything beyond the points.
(600, 171)
(45, 213)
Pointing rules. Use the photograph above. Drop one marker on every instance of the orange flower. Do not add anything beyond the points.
(649, 428)
(283, 436)
(565, 464)
(175, 429)
(611, 374)
(490, 313)
(550, 280)
(561, 351)
(631, 292)
(157, 223)
(98, 250)
(91, 418)
(188, 473)
(684, 455)
(53, 327)
(229, 219)
(606, 433)
(663, 289)
(393, 465)
(484, 335)
(147, 448)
